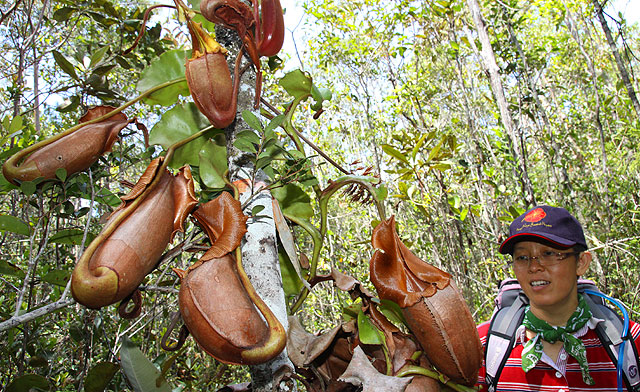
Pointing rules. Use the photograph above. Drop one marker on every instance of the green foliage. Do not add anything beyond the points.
(170, 66)
(140, 371)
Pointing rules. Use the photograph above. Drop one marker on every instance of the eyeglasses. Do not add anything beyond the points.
(546, 259)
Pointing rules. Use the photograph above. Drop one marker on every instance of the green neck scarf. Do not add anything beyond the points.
(532, 351)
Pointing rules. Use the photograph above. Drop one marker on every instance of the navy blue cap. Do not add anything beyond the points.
(553, 225)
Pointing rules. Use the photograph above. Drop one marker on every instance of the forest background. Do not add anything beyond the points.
(463, 138)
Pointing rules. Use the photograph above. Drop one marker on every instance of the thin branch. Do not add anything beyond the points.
(309, 142)
(9, 12)
(23, 318)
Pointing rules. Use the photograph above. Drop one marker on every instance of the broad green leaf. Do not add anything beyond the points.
(57, 277)
(9, 269)
(63, 14)
(256, 210)
(351, 312)
(418, 145)
(139, 370)
(463, 213)
(436, 150)
(381, 192)
(213, 162)
(16, 124)
(291, 283)
(389, 150)
(249, 135)
(296, 83)
(105, 196)
(28, 383)
(98, 55)
(70, 237)
(392, 311)
(65, 64)
(246, 142)
(293, 201)
(28, 188)
(99, 376)
(177, 124)
(320, 95)
(169, 66)
(14, 225)
(367, 332)
(61, 173)
(252, 120)
(274, 123)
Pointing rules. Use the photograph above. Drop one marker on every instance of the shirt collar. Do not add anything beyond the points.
(591, 324)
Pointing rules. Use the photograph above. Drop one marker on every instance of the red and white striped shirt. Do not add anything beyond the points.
(563, 375)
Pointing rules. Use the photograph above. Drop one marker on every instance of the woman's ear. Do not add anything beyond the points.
(583, 263)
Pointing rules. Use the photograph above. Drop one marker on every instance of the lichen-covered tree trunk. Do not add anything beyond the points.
(259, 248)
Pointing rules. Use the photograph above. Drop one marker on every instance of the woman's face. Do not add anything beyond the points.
(548, 277)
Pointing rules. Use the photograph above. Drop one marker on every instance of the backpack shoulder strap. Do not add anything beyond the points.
(610, 334)
(500, 339)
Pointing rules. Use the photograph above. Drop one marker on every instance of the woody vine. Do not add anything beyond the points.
(415, 333)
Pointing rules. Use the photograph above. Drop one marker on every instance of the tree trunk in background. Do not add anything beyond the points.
(597, 110)
(621, 68)
(491, 67)
(259, 247)
(555, 153)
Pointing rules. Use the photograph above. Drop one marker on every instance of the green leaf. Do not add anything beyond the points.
(65, 64)
(256, 210)
(367, 332)
(98, 55)
(61, 173)
(63, 14)
(436, 150)
(463, 213)
(69, 104)
(99, 376)
(177, 124)
(28, 188)
(213, 162)
(247, 141)
(28, 383)
(394, 153)
(105, 196)
(168, 67)
(9, 269)
(14, 225)
(252, 120)
(296, 83)
(249, 135)
(293, 201)
(381, 192)
(392, 311)
(274, 123)
(139, 370)
(70, 237)
(57, 277)
(16, 124)
(291, 283)
(320, 95)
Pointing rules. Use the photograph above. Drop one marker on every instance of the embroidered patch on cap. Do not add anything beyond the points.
(535, 216)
